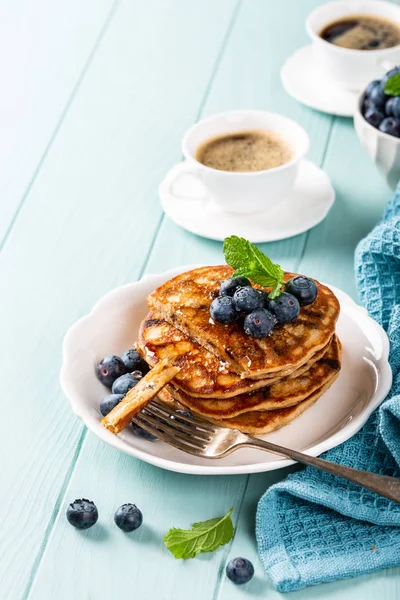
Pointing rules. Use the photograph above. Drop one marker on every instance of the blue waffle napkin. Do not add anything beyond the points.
(314, 527)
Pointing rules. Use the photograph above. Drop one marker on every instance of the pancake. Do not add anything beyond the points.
(284, 393)
(184, 301)
(260, 422)
(202, 374)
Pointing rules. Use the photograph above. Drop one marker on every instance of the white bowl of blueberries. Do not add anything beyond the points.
(377, 123)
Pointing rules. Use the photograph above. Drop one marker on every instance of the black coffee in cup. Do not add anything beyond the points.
(362, 32)
(245, 151)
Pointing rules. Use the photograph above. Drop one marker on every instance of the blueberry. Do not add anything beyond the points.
(239, 570)
(123, 384)
(140, 432)
(374, 116)
(391, 126)
(285, 307)
(229, 286)
(223, 311)
(371, 86)
(109, 369)
(378, 97)
(263, 298)
(128, 517)
(109, 402)
(247, 299)
(82, 514)
(303, 288)
(388, 75)
(259, 323)
(392, 107)
(134, 362)
(184, 413)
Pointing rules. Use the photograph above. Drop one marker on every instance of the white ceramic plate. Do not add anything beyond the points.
(305, 207)
(112, 327)
(306, 82)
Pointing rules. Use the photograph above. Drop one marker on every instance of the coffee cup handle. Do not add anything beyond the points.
(184, 171)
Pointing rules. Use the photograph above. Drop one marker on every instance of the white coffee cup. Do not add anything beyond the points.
(352, 69)
(243, 192)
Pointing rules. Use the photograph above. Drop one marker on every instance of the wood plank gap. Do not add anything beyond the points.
(324, 155)
(227, 548)
(59, 504)
(59, 123)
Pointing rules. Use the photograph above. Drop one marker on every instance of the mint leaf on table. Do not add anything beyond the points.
(206, 536)
(248, 261)
(392, 86)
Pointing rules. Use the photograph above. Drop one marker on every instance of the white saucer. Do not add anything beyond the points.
(306, 206)
(306, 82)
(113, 326)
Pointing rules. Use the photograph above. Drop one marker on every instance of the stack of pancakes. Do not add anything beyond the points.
(228, 377)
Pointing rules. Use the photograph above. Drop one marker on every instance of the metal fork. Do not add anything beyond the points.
(207, 440)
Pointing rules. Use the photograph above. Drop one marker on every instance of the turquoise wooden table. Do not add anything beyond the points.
(95, 98)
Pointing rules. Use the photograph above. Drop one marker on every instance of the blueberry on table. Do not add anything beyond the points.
(82, 514)
(140, 432)
(109, 402)
(134, 362)
(303, 288)
(374, 116)
(390, 125)
(239, 570)
(285, 307)
(123, 384)
(229, 286)
(259, 323)
(223, 311)
(128, 517)
(246, 299)
(109, 369)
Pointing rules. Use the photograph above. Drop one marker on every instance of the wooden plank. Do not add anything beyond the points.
(45, 49)
(86, 226)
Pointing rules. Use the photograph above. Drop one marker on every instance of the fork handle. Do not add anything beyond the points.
(389, 487)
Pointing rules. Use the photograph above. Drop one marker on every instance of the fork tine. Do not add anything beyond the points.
(199, 422)
(171, 431)
(177, 424)
(166, 437)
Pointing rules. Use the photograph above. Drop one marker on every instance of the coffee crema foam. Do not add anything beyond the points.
(245, 151)
(362, 32)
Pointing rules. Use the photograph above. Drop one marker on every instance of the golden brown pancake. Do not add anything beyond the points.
(259, 422)
(202, 374)
(288, 391)
(184, 301)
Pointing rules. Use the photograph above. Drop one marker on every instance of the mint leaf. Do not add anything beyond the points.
(236, 251)
(206, 536)
(392, 86)
(249, 261)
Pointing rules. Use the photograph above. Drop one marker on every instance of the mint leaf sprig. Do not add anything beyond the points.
(248, 261)
(392, 86)
(206, 536)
